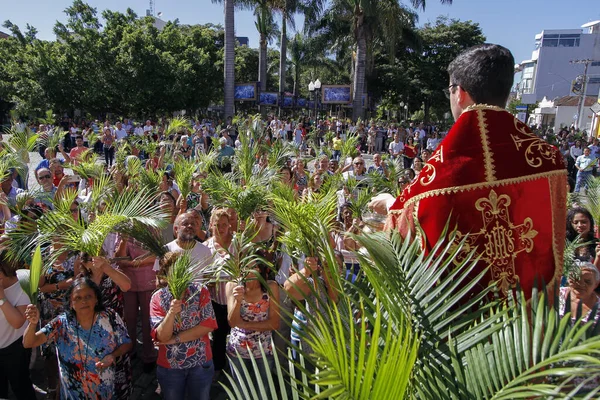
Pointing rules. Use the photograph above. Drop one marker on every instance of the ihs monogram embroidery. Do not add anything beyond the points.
(501, 239)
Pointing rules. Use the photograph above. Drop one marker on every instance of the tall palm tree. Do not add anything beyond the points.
(229, 55)
(366, 22)
(267, 29)
(229, 58)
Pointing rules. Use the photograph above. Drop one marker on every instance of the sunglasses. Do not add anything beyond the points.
(359, 163)
(45, 177)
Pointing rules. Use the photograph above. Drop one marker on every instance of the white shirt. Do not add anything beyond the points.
(422, 134)
(139, 131)
(120, 133)
(17, 297)
(148, 128)
(396, 147)
(199, 254)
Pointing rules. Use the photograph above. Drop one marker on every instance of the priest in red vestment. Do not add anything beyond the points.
(501, 186)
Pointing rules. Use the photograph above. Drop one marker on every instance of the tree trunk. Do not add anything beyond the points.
(262, 71)
(283, 55)
(229, 56)
(359, 72)
(262, 63)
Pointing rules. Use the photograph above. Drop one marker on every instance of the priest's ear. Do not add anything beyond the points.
(463, 98)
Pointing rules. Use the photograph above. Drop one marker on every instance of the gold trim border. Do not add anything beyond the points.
(481, 185)
(488, 155)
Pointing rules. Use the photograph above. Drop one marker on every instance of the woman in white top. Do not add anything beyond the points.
(14, 358)
(576, 150)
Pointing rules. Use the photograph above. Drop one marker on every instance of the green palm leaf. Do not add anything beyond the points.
(301, 220)
(177, 125)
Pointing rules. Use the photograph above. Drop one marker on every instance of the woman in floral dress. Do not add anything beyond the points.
(88, 340)
(253, 315)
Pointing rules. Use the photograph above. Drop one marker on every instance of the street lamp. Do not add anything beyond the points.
(311, 89)
(315, 87)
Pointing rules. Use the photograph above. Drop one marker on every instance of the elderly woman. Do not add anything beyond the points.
(88, 338)
(181, 328)
(112, 284)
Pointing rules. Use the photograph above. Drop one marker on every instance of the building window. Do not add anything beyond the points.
(561, 40)
(595, 64)
(594, 81)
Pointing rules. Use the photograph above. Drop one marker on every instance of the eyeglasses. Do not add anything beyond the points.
(359, 163)
(447, 91)
(45, 177)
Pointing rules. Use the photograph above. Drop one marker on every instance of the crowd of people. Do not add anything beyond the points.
(89, 305)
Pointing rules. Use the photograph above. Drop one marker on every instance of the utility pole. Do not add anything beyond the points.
(581, 106)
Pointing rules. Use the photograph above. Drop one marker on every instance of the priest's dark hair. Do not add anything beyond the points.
(485, 72)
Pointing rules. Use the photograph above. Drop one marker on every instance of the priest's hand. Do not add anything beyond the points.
(381, 203)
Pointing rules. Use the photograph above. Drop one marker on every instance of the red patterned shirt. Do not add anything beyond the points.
(196, 310)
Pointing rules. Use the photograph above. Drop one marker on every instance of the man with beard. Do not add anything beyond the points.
(185, 229)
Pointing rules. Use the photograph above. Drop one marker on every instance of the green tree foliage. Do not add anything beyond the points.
(118, 63)
(427, 69)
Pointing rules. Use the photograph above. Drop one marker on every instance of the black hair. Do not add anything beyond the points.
(264, 271)
(8, 266)
(485, 72)
(571, 232)
(86, 281)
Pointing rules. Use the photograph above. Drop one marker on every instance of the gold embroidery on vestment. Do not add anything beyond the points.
(488, 155)
(482, 185)
(428, 173)
(537, 149)
(502, 239)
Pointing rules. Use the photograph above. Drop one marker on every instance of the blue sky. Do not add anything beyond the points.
(512, 23)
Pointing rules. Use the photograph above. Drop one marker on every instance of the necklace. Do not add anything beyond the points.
(87, 346)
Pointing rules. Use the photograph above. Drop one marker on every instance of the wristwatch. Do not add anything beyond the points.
(2, 301)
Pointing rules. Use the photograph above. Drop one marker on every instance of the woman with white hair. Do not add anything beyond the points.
(581, 291)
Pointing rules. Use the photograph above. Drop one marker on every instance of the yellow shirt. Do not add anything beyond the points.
(337, 144)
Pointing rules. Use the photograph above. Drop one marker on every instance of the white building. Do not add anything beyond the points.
(562, 113)
(549, 73)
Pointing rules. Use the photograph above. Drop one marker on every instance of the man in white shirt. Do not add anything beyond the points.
(148, 127)
(396, 148)
(185, 230)
(127, 125)
(120, 133)
(138, 131)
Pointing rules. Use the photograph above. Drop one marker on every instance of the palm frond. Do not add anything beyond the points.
(184, 172)
(150, 179)
(177, 125)
(301, 220)
(206, 161)
(359, 202)
(88, 167)
(180, 275)
(149, 238)
(350, 146)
